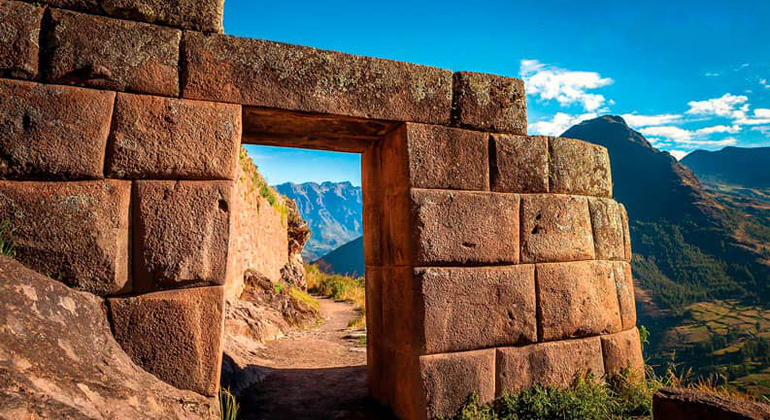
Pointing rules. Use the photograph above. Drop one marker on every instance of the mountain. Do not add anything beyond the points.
(747, 167)
(333, 210)
(701, 260)
(347, 259)
(689, 246)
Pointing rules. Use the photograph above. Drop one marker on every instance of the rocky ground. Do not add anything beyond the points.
(311, 373)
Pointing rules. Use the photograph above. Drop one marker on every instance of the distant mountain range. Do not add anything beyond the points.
(347, 259)
(333, 210)
(748, 167)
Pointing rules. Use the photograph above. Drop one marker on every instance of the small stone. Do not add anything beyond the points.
(489, 102)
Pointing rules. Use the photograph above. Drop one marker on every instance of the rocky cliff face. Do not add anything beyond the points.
(58, 359)
(266, 233)
(333, 211)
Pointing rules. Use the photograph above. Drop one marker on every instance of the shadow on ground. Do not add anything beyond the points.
(338, 393)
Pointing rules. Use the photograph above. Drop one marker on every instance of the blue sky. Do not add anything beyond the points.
(687, 74)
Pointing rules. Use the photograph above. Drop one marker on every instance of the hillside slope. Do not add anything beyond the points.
(346, 260)
(747, 167)
(687, 245)
(333, 210)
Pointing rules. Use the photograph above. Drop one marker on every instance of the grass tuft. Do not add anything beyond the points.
(6, 246)
(228, 406)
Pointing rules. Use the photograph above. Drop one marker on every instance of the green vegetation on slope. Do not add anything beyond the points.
(251, 170)
(339, 287)
(6, 247)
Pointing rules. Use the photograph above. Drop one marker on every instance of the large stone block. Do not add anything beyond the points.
(555, 228)
(75, 232)
(577, 299)
(262, 73)
(52, 132)
(489, 102)
(457, 227)
(175, 335)
(626, 233)
(555, 364)
(449, 379)
(519, 163)
(624, 283)
(438, 310)
(443, 157)
(156, 137)
(607, 223)
(181, 233)
(112, 54)
(199, 15)
(19, 39)
(621, 351)
(579, 167)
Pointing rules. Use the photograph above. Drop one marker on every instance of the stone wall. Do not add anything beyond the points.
(494, 260)
(258, 230)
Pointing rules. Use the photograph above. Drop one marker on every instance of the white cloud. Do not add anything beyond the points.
(678, 154)
(762, 112)
(559, 124)
(565, 86)
(675, 134)
(764, 129)
(638, 121)
(712, 74)
(731, 129)
(725, 106)
(764, 83)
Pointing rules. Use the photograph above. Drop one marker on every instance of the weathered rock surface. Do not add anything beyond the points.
(623, 350)
(181, 233)
(449, 379)
(686, 404)
(225, 68)
(128, 56)
(175, 334)
(19, 39)
(577, 299)
(579, 167)
(519, 163)
(443, 157)
(555, 228)
(554, 364)
(53, 132)
(76, 232)
(489, 102)
(164, 138)
(58, 359)
(608, 227)
(464, 227)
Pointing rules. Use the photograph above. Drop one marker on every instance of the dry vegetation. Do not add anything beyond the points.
(339, 287)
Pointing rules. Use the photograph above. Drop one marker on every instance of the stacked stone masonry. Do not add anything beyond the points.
(495, 260)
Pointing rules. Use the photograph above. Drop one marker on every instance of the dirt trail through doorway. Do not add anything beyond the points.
(317, 373)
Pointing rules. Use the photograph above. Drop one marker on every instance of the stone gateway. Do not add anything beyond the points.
(494, 260)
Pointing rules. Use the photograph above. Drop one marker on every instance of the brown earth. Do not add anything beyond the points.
(314, 373)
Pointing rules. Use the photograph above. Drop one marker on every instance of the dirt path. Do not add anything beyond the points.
(319, 373)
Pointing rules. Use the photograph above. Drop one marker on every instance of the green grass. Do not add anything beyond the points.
(251, 170)
(228, 406)
(6, 246)
(620, 397)
(339, 287)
